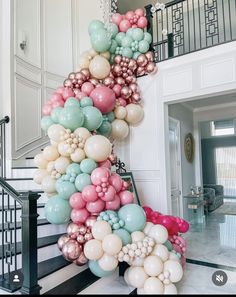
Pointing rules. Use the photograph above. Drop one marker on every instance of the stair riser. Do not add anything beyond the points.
(23, 172)
(41, 214)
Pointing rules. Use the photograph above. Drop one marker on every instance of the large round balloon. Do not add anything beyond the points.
(71, 117)
(100, 40)
(97, 270)
(134, 217)
(92, 118)
(95, 26)
(99, 67)
(120, 129)
(103, 98)
(57, 210)
(98, 148)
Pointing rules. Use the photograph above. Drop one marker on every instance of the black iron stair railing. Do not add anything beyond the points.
(3, 123)
(11, 201)
(186, 26)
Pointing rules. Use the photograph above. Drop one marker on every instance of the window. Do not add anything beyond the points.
(223, 127)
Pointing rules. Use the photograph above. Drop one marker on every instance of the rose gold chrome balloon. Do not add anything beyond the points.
(142, 60)
(88, 236)
(80, 238)
(72, 228)
(150, 67)
(118, 59)
(71, 250)
(68, 83)
(71, 75)
(62, 240)
(86, 73)
(81, 260)
(150, 56)
(90, 221)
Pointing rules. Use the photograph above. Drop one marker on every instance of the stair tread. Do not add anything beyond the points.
(40, 222)
(75, 284)
(24, 167)
(42, 242)
(39, 205)
(18, 178)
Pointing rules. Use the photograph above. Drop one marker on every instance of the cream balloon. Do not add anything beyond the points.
(40, 161)
(134, 113)
(153, 265)
(106, 55)
(111, 244)
(141, 291)
(159, 233)
(49, 195)
(137, 236)
(55, 132)
(161, 251)
(138, 277)
(50, 153)
(175, 269)
(78, 155)
(170, 289)
(63, 148)
(53, 143)
(61, 164)
(153, 286)
(93, 249)
(120, 112)
(84, 62)
(50, 166)
(147, 227)
(101, 229)
(137, 261)
(99, 67)
(173, 256)
(82, 133)
(126, 276)
(120, 129)
(39, 174)
(92, 53)
(98, 148)
(108, 262)
(49, 184)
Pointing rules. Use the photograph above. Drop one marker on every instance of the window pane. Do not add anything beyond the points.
(224, 127)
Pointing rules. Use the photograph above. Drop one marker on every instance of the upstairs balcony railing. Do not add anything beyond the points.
(186, 26)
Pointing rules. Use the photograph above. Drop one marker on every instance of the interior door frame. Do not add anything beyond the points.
(177, 123)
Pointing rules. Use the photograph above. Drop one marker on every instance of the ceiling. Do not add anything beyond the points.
(126, 5)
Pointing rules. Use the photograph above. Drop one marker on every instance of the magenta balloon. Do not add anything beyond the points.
(100, 175)
(116, 181)
(126, 197)
(113, 205)
(89, 193)
(95, 207)
(76, 201)
(110, 194)
(103, 98)
(79, 215)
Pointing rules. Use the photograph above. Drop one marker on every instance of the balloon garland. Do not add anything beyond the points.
(95, 106)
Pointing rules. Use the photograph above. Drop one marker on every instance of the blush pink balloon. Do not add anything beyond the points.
(142, 22)
(47, 109)
(96, 206)
(76, 201)
(124, 25)
(116, 181)
(117, 89)
(139, 12)
(60, 90)
(89, 193)
(134, 26)
(129, 15)
(58, 103)
(116, 18)
(106, 164)
(100, 175)
(104, 98)
(87, 88)
(126, 197)
(56, 97)
(113, 205)
(67, 93)
(110, 194)
(79, 215)
(80, 95)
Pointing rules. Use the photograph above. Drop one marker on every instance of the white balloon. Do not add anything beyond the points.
(49, 184)
(111, 244)
(93, 249)
(173, 256)
(138, 277)
(78, 155)
(147, 227)
(98, 148)
(40, 161)
(137, 236)
(82, 133)
(126, 276)
(50, 153)
(108, 262)
(170, 289)
(120, 129)
(153, 265)
(63, 148)
(55, 132)
(61, 164)
(153, 286)
(161, 251)
(138, 261)
(39, 174)
(99, 67)
(134, 113)
(159, 233)
(100, 229)
(120, 112)
(175, 269)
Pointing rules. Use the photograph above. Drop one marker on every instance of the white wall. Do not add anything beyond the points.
(185, 116)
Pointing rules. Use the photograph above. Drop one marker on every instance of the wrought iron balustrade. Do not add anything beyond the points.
(186, 26)
(3, 123)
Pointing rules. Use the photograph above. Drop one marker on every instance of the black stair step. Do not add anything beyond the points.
(42, 242)
(11, 207)
(24, 167)
(18, 178)
(75, 284)
(29, 158)
(41, 222)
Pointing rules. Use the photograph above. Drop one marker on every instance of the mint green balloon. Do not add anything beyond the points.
(110, 116)
(169, 246)
(88, 165)
(137, 34)
(82, 180)
(72, 101)
(46, 122)
(95, 26)
(73, 169)
(130, 32)
(113, 47)
(143, 46)
(65, 189)
(127, 41)
(148, 37)
(119, 37)
(135, 55)
(100, 40)
(134, 217)
(97, 270)
(71, 117)
(92, 118)
(113, 30)
(105, 128)
(55, 114)
(127, 52)
(86, 101)
(57, 210)
(124, 236)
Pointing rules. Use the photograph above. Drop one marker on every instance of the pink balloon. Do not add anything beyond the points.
(134, 26)
(100, 175)
(80, 95)
(103, 98)
(116, 18)
(106, 164)
(113, 205)
(110, 194)
(89, 193)
(47, 109)
(117, 89)
(76, 201)
(56, 97)
(129, 15)
(122, 102)
(96, 206)
(126, 197)
(124, 25)
(58, 103)
(139, 12)
(67, 93)
(79, 215)
(116, 181)
(142, 22)
(60, 90)
(87, 88)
